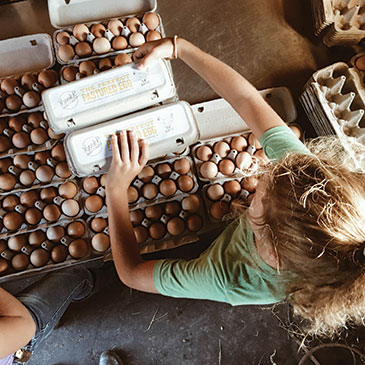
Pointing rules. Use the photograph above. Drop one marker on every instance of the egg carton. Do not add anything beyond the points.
(109, 36)
(253, 168)
(40, 204)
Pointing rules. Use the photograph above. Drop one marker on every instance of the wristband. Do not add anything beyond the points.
(175, 47)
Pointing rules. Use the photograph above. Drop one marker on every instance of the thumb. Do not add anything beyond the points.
(147, 60)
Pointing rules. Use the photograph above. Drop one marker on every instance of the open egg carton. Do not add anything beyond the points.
(44, 249)
(334, 102)
(342, 21)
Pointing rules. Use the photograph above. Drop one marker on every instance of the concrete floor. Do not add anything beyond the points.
(271, 42)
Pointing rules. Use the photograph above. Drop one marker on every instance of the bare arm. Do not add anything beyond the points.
(126, 164)
(16, 324)
(225, 81)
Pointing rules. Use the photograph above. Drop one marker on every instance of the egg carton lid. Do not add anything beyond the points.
(63, 13)
(30, 53)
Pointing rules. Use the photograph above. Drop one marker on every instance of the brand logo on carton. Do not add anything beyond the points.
(68, 100)
(92, 146)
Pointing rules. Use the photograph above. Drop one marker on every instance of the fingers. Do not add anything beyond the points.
(145, 152)
(134, 147)
(115, 148)
(147, 60)
(124, 147)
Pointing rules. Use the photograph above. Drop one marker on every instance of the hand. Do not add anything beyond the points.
(154, 50)
(128, 160)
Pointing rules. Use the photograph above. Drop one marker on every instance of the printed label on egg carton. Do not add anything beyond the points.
(252, 164)
(75, 67)
(89, 38)
(39, 205)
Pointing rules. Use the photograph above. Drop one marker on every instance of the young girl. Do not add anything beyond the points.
(302, 239)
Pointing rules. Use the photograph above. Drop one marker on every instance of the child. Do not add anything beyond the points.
(302, 238)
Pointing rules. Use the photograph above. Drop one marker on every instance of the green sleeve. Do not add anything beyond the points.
(278, 141)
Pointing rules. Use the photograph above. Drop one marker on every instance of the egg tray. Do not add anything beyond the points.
(237, 172)
(43, 223)
(76, 58)
(95, 61)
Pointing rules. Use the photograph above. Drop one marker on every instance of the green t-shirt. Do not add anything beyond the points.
(230, 269)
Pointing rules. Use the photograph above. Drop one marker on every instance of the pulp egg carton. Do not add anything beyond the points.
(166, 128)
(25, 71)
(107, 95)
(90, 28)
(342, 20)
(54, 253)
(83, 68)
(21, 214)
(99, 237)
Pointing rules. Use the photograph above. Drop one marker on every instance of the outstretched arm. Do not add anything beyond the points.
(225, 81)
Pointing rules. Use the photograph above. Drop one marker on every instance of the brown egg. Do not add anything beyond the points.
(38, 136)
(58, 152)
(185, 183)
(35, 119)
(16, 123)
(98, 224)
(149, 191)
(175, 226)
(80, 32)
(48, 194)
(153, 35)
(20, 262)
(94, 203)
(233, 188)
(239, 143)
(55, 233)
(296, 130)
(100, 242)
(243, 160)
(59, 253)
(7, 181)
(136, 39)
(52, 212)
(76, 229)
(62, 38)
(44, 173)
(194, 223)
(132, 194)
(263, 159)
(136, 216)
(219, 209)
(10, 202)
(115, 26)
(13, 102)
(53, 135)
(78, 249)
(153, 212)
(31, 99)
(105, 64)
(26, 177)
(133, 24)
(191, 203)
(157, 230)
(182, 166)
(151, 20)
(70, 207)
(16, 243)
(119, 43)
(4, 143)
(215, 192)
(4, 266)
(39, 257)
(222, 149)
(62, 170)
(167, 187)
(42, 157)
(122, 59)
(249, 183)
(90, 184)
(8, 85)
(28, 198)
(66, 53)
(253, 141)
(28, 80)
(87, 68)
(103, 180)
(83, 49)
(21, 139)
(208, 169)
(48, 78)
(226, 167)
(101, 45)
(33, 216)
(146, 174)
(98, 30)
(67, 190)
(172, 208)
(5, 163)
(13, 221)
(164, 170)
(22, 161)
(141, 234)
(36, 238)
(69, 73)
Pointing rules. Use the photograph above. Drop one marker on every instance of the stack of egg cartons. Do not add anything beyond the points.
(343, 21)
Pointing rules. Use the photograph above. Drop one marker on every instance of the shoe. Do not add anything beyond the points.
(110, 358)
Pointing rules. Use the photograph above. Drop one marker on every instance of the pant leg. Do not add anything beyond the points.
(48, 299)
